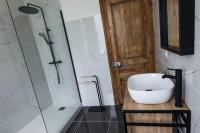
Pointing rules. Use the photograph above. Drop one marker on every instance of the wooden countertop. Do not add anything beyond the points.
(130, 105)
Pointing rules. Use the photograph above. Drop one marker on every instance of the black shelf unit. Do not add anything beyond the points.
(181, 120)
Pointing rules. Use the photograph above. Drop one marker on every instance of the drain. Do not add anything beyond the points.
(148, 90)
(62, 108)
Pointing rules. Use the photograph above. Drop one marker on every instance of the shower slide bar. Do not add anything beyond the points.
(32, 9)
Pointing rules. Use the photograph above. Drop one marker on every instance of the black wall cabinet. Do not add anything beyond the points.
(177, 20)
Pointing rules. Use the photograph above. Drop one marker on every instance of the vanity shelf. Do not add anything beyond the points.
(179, 119)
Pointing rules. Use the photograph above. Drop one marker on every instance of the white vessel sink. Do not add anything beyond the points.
(150, 88)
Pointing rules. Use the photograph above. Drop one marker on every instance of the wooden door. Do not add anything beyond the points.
(128, 26)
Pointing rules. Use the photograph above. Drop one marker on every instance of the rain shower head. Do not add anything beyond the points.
(28, 9)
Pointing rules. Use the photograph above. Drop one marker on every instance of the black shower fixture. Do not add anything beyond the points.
(33, 9)
(43, 36)
(28, 10)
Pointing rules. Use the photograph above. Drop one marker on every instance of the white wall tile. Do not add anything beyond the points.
(90, 56)
(187, 63)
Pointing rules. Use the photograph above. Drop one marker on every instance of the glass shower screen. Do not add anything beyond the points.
(47, 53)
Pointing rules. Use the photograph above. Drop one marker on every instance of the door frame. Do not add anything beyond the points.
(109, 49)
(108, 32)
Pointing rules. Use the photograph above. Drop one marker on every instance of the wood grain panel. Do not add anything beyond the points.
(128, 27)
(149, 130)
(150, 118)
(129, 104)
(173, 23)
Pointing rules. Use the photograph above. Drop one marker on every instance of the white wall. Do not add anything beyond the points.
(90, 58)
(77, 9)
(87, 42)
(189, 64)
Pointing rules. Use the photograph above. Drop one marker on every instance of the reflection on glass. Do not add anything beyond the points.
(58, 102)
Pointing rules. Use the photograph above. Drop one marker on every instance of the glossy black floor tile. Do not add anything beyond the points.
(110, 113)
(108, 121)
(116, 127)
(81, 114)
(97, 127)
(117, 113)
(92, 127)
(72, 127)
(97, 116)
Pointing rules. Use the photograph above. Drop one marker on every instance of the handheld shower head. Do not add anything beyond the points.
(43, 36)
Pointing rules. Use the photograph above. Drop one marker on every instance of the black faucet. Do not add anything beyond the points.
(178, 86)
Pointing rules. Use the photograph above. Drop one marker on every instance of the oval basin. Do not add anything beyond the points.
(150, 88)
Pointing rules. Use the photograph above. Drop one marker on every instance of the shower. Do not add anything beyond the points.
(50, 98)
(32, 9)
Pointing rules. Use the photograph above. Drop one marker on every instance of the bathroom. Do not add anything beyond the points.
(87, 66)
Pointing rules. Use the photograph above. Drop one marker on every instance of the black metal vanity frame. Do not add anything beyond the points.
(181, 120)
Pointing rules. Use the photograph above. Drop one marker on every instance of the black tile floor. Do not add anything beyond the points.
(108, 121)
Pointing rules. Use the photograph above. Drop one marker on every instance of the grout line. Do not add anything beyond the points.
(108, 127)
(116, 126)
(3, 29)
(76, 127)
(94, 121)
(79, 122)
(85, 110)
(5, 43)
(197, 18)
